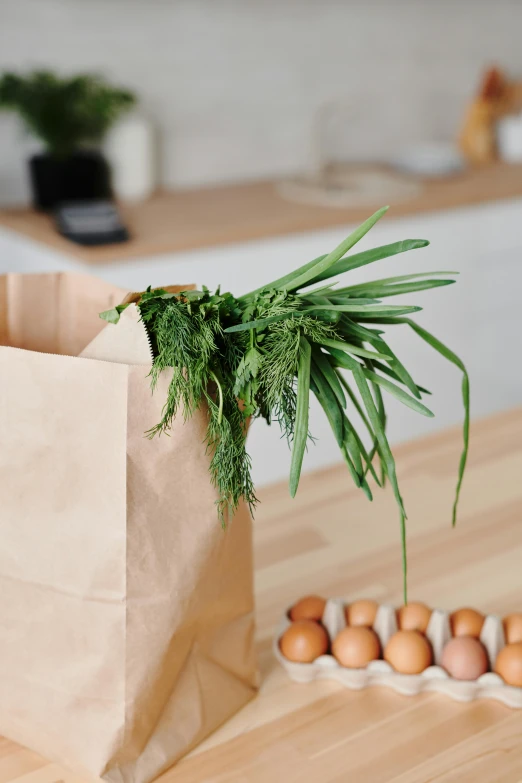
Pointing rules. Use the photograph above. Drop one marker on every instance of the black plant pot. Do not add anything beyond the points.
(82, 176)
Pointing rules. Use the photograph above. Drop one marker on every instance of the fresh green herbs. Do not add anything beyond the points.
(261, 354)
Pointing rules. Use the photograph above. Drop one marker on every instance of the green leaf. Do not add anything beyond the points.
(392, 280)
(220, 396)
(396, 365)
(392, 374)
(155, 293)
(331, 313)
(351, 467)
(356, 405)
(308, 272)
(404, 554)
(330, 375)
(366, 488)
(352, 445)
(283, 282)
(367, 458)
(382, 415)
(322, 302)
(367, 310)
(369, 257)
(248, 312)
(319, 271)
(354, 329)
(302, 412)
(364, 419)
(386, 320)
(328, 315)
(448, 354)
(112, 316)
(323, 289)
(329, 403)
(261, 323)
(379, 400)
(382, 291)
(247, 369)
(397, 392)
(388, 461)
(342, 359)
(340, 345)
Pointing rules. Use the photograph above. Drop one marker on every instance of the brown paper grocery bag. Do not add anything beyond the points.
(126, 612)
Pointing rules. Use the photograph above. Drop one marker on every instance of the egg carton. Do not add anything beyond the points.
(434, 678)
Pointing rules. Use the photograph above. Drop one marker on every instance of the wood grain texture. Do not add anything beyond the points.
(172, 222)
(330, 540)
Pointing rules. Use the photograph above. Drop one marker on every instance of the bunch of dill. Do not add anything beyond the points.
(260, 355)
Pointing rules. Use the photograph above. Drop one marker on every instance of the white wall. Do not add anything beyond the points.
(234, 84)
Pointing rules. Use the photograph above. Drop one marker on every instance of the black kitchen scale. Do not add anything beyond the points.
(93, 222)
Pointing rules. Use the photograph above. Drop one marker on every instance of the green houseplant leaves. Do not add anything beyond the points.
(64, 112)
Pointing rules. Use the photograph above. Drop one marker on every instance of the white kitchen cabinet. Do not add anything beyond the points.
(479, 317)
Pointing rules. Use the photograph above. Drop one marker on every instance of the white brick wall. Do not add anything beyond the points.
(233, 85)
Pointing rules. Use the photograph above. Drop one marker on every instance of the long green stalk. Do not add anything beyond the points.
(301, 419)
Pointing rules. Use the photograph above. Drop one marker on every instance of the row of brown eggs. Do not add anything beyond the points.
(408, 651)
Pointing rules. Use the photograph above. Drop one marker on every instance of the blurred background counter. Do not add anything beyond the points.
(178, 221)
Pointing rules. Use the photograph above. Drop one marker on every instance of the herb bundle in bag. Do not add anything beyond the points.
(271, 347)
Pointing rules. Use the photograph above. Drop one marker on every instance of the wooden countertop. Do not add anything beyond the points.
(189, 219)
(330, 540)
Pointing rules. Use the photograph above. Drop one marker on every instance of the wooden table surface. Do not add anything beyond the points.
(330, 540)
(173, 222)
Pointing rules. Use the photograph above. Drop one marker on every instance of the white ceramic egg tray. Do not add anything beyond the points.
(434, 678)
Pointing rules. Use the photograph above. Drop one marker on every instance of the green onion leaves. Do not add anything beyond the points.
(261, 354)
(301, 418)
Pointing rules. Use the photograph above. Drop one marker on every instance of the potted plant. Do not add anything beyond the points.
(70, 116)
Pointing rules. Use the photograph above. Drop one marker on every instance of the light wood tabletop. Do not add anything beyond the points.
(331, 541)
(177, 221)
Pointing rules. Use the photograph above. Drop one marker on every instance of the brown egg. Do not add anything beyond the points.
(356, 646)
(466, 622)
(361, 612)
(414, 616)
(304, 641)
(513, 627)
(509, 664)
(408, 652)
(464, 658)
(309, 608)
